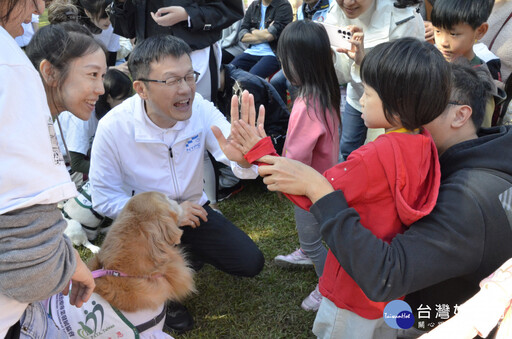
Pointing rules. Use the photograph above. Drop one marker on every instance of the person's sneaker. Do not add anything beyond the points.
(295, 258)
(312, 301)
(228, 192)
(177, 318)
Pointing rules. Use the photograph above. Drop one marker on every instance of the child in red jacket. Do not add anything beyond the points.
(391, 182)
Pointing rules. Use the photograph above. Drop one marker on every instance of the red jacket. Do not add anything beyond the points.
(391, 183)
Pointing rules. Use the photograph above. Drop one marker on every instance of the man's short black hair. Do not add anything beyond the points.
(154, 49)
(448, 13)
(411, 78)
(472, 87)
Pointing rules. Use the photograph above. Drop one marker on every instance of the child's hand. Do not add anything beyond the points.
(357, 41)
(247, 136)
(246, 131)
(247, 113)
(429, 31)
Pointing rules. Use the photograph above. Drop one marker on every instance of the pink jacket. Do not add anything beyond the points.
(311, 139)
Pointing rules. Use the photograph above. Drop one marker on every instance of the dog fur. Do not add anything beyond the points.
(142, 242)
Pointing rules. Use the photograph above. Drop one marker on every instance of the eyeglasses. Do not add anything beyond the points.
(455, 103)
(190, 79)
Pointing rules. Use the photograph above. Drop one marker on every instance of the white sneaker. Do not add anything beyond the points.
(312, 301)
(295, 258)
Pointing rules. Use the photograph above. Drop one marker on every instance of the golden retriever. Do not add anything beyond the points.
(142, 243)
(138, 269)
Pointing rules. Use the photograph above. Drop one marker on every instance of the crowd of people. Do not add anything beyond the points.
(394, 151)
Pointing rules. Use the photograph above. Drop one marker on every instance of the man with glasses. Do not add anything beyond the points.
(155, 141)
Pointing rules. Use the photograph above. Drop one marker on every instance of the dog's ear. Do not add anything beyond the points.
(161, 228)
(173, 220)
(171, 229)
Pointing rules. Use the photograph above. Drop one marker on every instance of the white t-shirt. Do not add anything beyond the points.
(8, 319)
(77, 132)
(108, 38)
(32, 168)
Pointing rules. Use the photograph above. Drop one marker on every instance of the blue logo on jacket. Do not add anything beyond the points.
(193, 143)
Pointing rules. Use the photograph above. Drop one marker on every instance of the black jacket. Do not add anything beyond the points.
(442, 257)
(276, 113)
(207, 17)
(279, 14)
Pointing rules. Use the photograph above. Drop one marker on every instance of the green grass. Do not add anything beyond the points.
(267, 306)
(43, 19)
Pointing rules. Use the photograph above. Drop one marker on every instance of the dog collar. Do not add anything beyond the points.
(103, 272)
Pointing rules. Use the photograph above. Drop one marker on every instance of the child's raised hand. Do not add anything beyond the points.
(246, 131)
(247, 113)
(357, 41)
(247, 136)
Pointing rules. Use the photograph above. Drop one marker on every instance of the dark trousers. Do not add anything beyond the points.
(262, 66)
(223, 245)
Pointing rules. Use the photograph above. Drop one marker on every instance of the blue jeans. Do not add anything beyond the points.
(262, 66)
(353, 132)
(35, 324)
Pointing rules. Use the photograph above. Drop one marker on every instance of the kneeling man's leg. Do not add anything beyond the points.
(220, 243)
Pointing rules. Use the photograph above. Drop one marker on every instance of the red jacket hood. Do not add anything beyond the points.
(417, 176)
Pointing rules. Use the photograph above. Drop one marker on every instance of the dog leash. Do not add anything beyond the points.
(103, 272)
(153, 322)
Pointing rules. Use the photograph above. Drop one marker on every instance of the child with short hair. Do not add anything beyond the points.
(458, 24)
(392, 181)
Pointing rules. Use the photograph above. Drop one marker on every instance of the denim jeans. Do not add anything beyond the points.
(353, 132)
(281, 84)
(35, 324)
(262, 66)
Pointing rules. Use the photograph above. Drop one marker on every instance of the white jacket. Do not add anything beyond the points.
(130, 154)
(32, 169)
(382, 22)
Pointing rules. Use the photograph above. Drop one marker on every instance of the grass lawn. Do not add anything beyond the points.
(267, 306)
